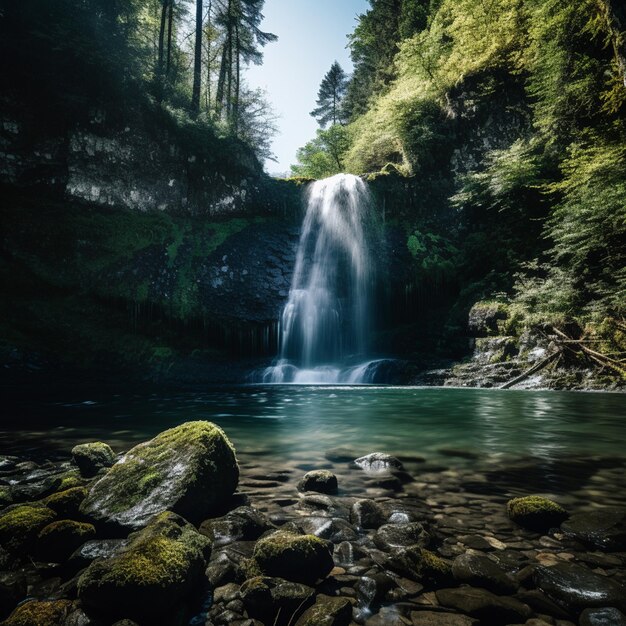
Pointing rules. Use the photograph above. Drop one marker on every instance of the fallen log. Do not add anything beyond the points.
(535, 368)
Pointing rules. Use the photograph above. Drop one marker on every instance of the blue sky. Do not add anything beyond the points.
(311, 35)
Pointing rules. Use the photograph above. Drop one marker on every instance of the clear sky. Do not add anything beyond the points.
(311, 35)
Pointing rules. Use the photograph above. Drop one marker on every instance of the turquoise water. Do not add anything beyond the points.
(292, 422)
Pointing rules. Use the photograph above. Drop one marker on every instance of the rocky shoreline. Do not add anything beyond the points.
(180, 531)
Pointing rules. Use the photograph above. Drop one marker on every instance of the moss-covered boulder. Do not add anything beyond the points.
(299, 558)
(20, 525)
(485, 318)
(321, 481)
(327, 611)
(536, 513)
(66, 503)
(58, 540)
(92, 457)
(147, 580)
(35, 613)
(190, 470)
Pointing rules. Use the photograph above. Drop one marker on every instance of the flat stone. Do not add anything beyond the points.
(327, 611)
(392, 536)
(484, 605)
(480, 571)
(378, 462)
(576, 588)
(432, 618)
(603, 528)
(602, 617)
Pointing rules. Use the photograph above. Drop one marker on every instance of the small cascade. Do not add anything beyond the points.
(325, 325)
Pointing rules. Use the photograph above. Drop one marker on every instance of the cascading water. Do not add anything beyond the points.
(325, 324)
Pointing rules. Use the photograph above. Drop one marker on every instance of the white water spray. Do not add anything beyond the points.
(326, 321)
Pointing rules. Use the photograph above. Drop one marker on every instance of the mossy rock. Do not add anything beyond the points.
(35, 613)
(299, 558)
(322, 481)
(58, 540)
(486, 317)
(66, 503)
(70, 480)
(421, 565)
(190, 470)
(20, 525)
(536, 513)
(161, 566)
(6, 496)
(327, 611)
(92, 457)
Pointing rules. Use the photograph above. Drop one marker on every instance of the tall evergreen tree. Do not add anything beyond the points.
(197, 61)
(330, 97)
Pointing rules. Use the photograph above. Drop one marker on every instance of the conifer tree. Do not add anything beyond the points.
(330, 97)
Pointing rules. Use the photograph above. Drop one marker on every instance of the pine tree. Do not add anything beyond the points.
(330, 97)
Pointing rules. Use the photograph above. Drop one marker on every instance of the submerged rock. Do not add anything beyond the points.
(378, 462)
(368, 514)
(36, 613)
(421, 565)
(536, 513)
(321, 481)
(92, 457)
(484, 605)
(190, 470)
(20, 526)
(576, 588)
(327, 611)
(392, 536)
(603, 528)
(602, 617)
(299, 558)
(148, 578)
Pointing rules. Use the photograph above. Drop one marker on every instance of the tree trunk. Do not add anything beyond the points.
(170, 28)
(208, 59)
(615, 15)
(162, 36)
(221, 82)
(197, 62)
(238, 78)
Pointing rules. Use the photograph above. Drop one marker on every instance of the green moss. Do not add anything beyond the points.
(66, 502)
(433, 568)
(20, 525)
(536, 512)
(35, 613)
(68, 527)
(6, 496)
(70, 481)
(58, 540)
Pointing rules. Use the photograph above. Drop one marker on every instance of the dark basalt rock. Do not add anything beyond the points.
(275, 600)
(576, 588)
(92, 457)
(58, 540)
(420, 565)
(242, 524)
(602, 528)
(321, 481)
(392, 536)
(480, 571)
(602, 617)
(484, 605)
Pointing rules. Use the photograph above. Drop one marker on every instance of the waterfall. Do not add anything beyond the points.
(325, 325)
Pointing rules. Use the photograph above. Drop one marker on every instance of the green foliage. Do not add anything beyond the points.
(435, 256)
(324, 155)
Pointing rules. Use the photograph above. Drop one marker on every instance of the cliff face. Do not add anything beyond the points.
(143, 162)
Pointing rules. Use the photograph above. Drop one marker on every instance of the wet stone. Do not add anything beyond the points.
(602, 617)
(480, 571)
(322, 481)
(602, 528)
(244, 523)
(576, 588)
(392, 536)
(378, 462)
(484, 605)
(367, 514)
(432, 618)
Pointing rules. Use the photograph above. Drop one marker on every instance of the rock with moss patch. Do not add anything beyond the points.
(421, 565)
(20, 525)
(190, 470)
(92, 457)
(243, 523)
(66, 503)
(536, 513)
(327, 611)
(299, 558)
(484, 318)
(36, 613)
(160, 567)
(275, 600)
(321, 481)
(58, 540)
